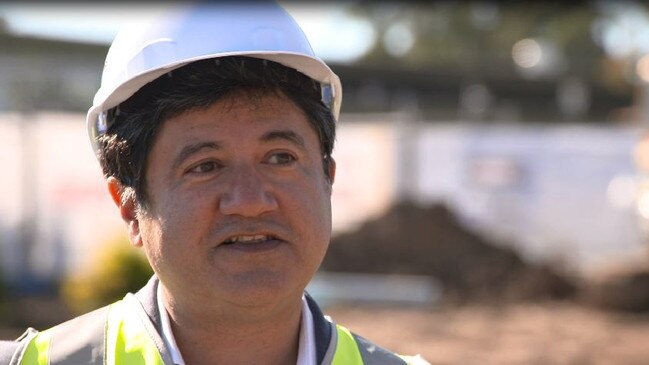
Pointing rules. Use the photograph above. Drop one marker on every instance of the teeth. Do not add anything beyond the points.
(258, 237)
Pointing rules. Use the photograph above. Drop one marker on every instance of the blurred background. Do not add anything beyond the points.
(491, 203)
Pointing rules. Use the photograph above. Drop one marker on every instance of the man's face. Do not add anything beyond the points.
(240, 209)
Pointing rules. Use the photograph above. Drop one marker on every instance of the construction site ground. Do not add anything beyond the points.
(551, 333)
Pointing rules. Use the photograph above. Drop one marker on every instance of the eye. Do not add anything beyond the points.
(281, 158)
(204, 167)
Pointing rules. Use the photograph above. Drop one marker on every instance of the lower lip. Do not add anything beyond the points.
(252, 247)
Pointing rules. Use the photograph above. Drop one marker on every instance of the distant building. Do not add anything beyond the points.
(40, 74)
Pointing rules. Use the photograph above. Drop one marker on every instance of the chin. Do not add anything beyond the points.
(260, 286)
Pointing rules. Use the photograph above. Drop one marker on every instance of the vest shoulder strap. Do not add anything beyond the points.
(115, 334)
(11, 352)
(7, 351)
(373, 354)
(352, 349)
(131, 338)
(77, 341)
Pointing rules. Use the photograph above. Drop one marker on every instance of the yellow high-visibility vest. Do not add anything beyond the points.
(122, 334)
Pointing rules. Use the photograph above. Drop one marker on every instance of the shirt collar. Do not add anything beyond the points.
(306, 347)
(167, 334)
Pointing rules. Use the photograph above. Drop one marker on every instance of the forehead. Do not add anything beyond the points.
(261, 101)
(239, 114)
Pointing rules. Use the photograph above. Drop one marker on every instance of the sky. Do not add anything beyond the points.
(334, 34)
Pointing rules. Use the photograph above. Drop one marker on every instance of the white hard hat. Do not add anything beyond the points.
(183, 34)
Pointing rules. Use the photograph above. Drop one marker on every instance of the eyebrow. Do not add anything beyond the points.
(284, 135)
(274, 135)
(194, 148)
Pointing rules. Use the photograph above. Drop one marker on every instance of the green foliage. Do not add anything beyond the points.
(117, 269)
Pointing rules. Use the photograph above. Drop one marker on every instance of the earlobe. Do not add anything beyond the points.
(127, 209)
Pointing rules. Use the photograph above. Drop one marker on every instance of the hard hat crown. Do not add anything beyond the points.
(143, 52)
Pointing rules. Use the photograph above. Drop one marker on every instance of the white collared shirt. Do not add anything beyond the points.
(306, 347)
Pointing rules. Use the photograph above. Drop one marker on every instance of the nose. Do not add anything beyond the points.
(247, 194)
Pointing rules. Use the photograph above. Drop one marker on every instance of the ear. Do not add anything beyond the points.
(331, 166)
(127, 209)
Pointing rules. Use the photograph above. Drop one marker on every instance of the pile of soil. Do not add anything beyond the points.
(414, 240)
(623, 291)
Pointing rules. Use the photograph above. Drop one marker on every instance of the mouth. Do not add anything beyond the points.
(249, 239)
(251, 242)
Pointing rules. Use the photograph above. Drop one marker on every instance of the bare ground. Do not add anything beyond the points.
(555, 333)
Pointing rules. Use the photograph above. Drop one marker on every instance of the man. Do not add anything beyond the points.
(214, 127)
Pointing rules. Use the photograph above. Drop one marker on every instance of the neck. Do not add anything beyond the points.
(228, 334)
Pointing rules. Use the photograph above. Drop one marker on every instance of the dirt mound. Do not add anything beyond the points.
(415, 240)
(624, 291)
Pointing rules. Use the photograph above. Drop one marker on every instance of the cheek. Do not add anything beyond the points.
(311, 211)
(182, 217)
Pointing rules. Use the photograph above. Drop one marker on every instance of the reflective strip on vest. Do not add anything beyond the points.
(37, 352)
(347, 352)
(127, 341)
(86, 339)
